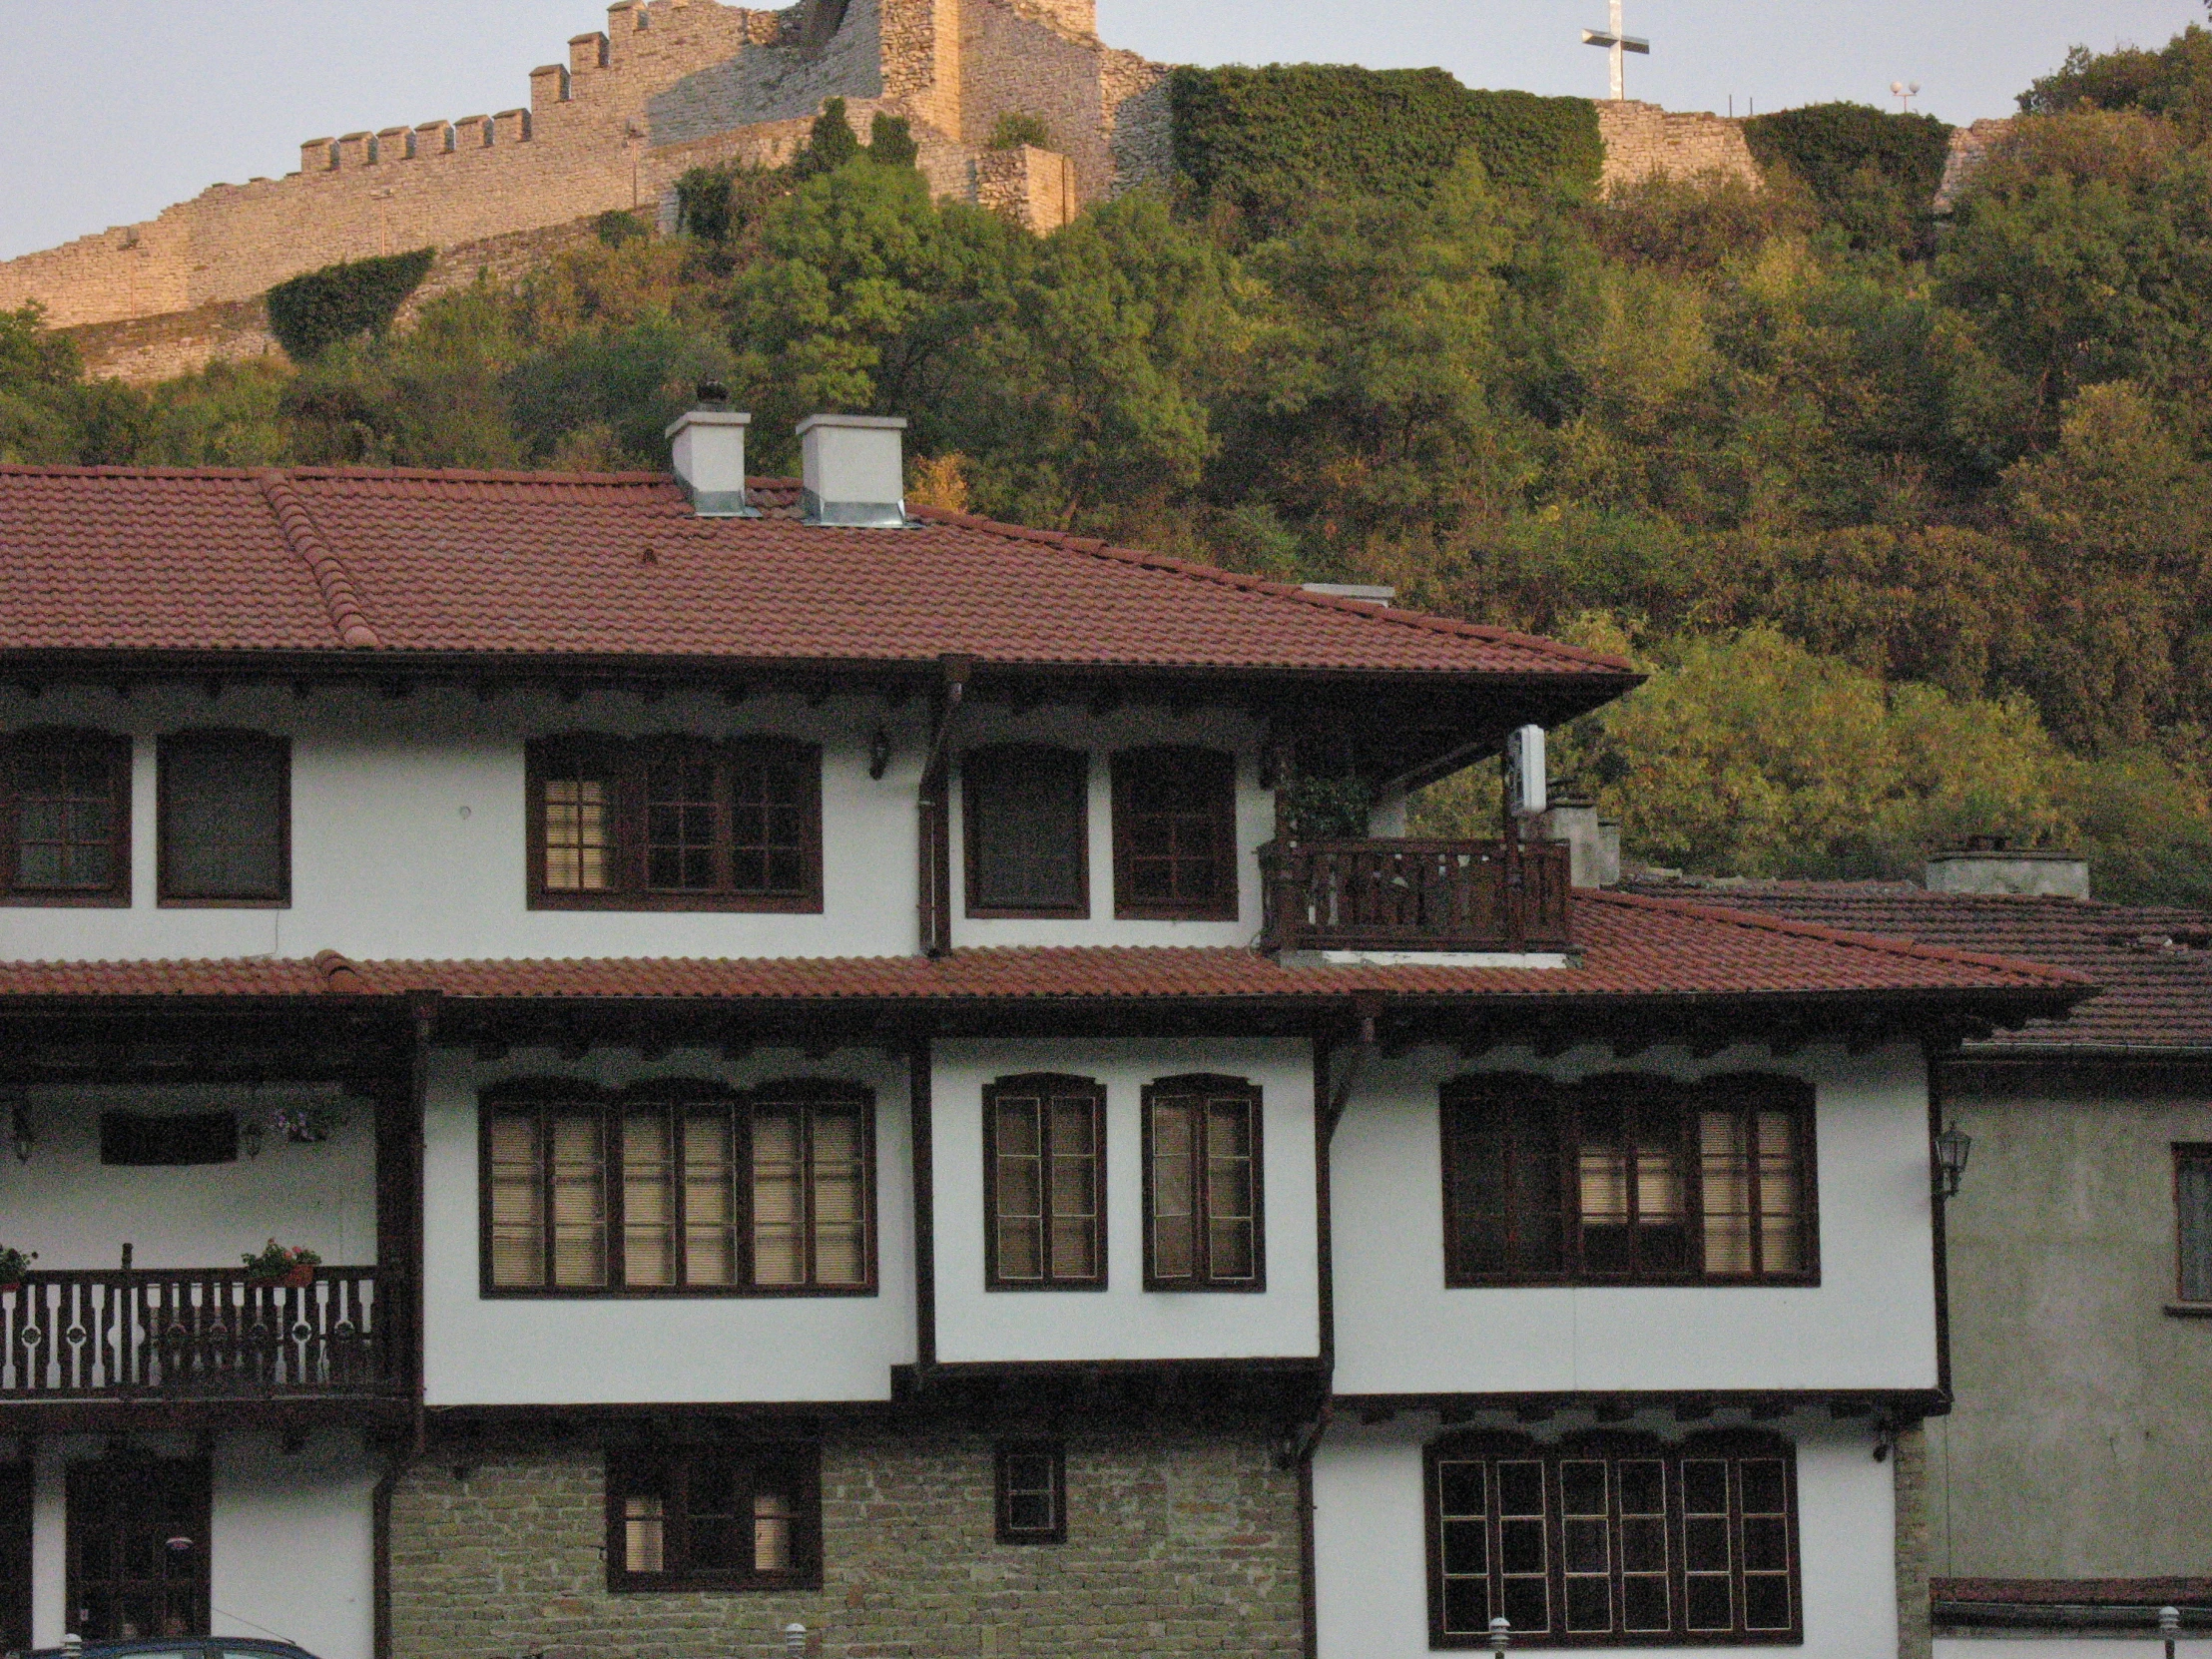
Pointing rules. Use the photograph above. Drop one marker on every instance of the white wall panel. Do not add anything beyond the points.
(1868, 1323)
(77, 1213)
(1125, 1321)
(1371, 1562)
(409, 819)
(565, 1349)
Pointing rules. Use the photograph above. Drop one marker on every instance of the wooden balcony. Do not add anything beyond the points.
(1434, 896)
(193, 1333)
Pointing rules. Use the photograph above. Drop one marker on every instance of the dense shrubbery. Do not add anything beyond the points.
(1266, 143)
(1913, 547)
(312, 314)
(1872, 172)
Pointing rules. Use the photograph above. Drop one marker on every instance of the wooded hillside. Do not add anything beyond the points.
(1910, 521)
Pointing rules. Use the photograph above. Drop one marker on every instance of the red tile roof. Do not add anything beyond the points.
(1632, 948)
(2154, 962)
(552, 565)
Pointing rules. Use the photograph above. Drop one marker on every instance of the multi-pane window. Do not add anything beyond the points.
(1044, 1162)
(1174, 835)
(675, 823)
(65, 819)
(1031, 1479)
(1202, 1186)
(1629, 1179)
(1026, 824)
(679, 1189)
(225, 819)
(1613, 1540)
(2193, 1221)
(725, 1518)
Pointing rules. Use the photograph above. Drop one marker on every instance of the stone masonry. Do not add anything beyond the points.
(1180, 1541)
(1642, 138)
(670, 85)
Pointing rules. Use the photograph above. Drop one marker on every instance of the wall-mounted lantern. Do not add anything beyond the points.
(19, 1127)
(1953, 1147)
(880, 754)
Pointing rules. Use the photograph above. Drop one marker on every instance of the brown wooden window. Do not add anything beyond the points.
(1045, 1183)
(726, 1519)
(1026, 823)
(674, 824)
(15, 1557)
(679, 1189)
(1202, 1186)
(225, 819)
(1174, 835)
(65, 804)
(138, 1547)
(2193, 1221)
(1032, 1484)
(1613, 1540)
(1629, 1179)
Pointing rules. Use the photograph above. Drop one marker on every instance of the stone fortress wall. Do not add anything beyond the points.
(670, 85)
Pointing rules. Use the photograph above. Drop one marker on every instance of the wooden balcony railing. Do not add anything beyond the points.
(192, 1332)
(1414, 895)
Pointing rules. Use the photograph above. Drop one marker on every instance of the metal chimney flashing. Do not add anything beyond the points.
(708, 454)
(854, 471)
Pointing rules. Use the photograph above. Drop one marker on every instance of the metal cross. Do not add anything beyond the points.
(1615, 44)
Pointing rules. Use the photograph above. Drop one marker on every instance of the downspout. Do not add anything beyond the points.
(935, 810)
(422, 1010)
(1297, 1451)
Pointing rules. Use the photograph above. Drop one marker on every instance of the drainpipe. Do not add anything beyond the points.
(422, 1011)
(935, 807)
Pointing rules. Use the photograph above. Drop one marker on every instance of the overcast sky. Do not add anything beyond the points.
(117, 108)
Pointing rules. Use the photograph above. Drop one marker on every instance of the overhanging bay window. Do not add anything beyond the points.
(678, 1189)
(674, 824)
(1613, 1540)
(1629, 1179)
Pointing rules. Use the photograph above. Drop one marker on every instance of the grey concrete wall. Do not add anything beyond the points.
(2082, 1442)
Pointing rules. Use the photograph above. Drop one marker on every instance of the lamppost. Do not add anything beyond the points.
(2169, 1626)
(1501, 1634)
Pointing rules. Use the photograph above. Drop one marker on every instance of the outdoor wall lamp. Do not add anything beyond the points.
(1951, 1149)
(879, 755)
(20, 1130)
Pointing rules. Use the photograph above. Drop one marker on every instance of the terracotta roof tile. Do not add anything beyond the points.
(1632, 947)
(547, 564)
(2153, 961)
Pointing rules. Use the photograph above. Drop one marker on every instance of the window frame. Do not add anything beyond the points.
(1128, 766)
(116, 750)
(165, 748)
(1612, 1448)
(1520, 1097)
(547, 1095)
(2188, 1155)
(1002, 1456)
(627, 1466)
(1206, 1086)
(1046, 1086)
(971, 848)
(626, 761)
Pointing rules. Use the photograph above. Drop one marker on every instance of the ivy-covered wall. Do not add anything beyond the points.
(1872, 173)
(312, 313)
(1263, 141)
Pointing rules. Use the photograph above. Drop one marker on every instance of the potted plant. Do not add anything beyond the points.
(14, 1264)
(275, 1264)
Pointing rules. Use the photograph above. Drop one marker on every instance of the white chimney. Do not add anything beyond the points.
(1990, 865)
(708, 450)
(853, 470)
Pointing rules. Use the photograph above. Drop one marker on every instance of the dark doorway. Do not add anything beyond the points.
(138, 1548)
(15, 1557)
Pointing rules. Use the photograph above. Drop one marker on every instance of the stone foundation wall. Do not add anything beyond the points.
(1643, 139)
(1179, 1541)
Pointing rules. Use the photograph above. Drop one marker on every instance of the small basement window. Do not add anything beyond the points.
(1032, 1492)
(143, 1140)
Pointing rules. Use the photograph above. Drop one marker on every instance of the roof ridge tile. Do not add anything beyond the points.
(340, 596)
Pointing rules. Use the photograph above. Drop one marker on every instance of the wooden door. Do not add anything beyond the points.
(15, 1557)
(138, 1548)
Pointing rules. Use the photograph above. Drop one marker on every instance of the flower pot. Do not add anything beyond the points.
(300, 1278)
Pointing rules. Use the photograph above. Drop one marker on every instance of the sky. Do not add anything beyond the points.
(118, 108)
